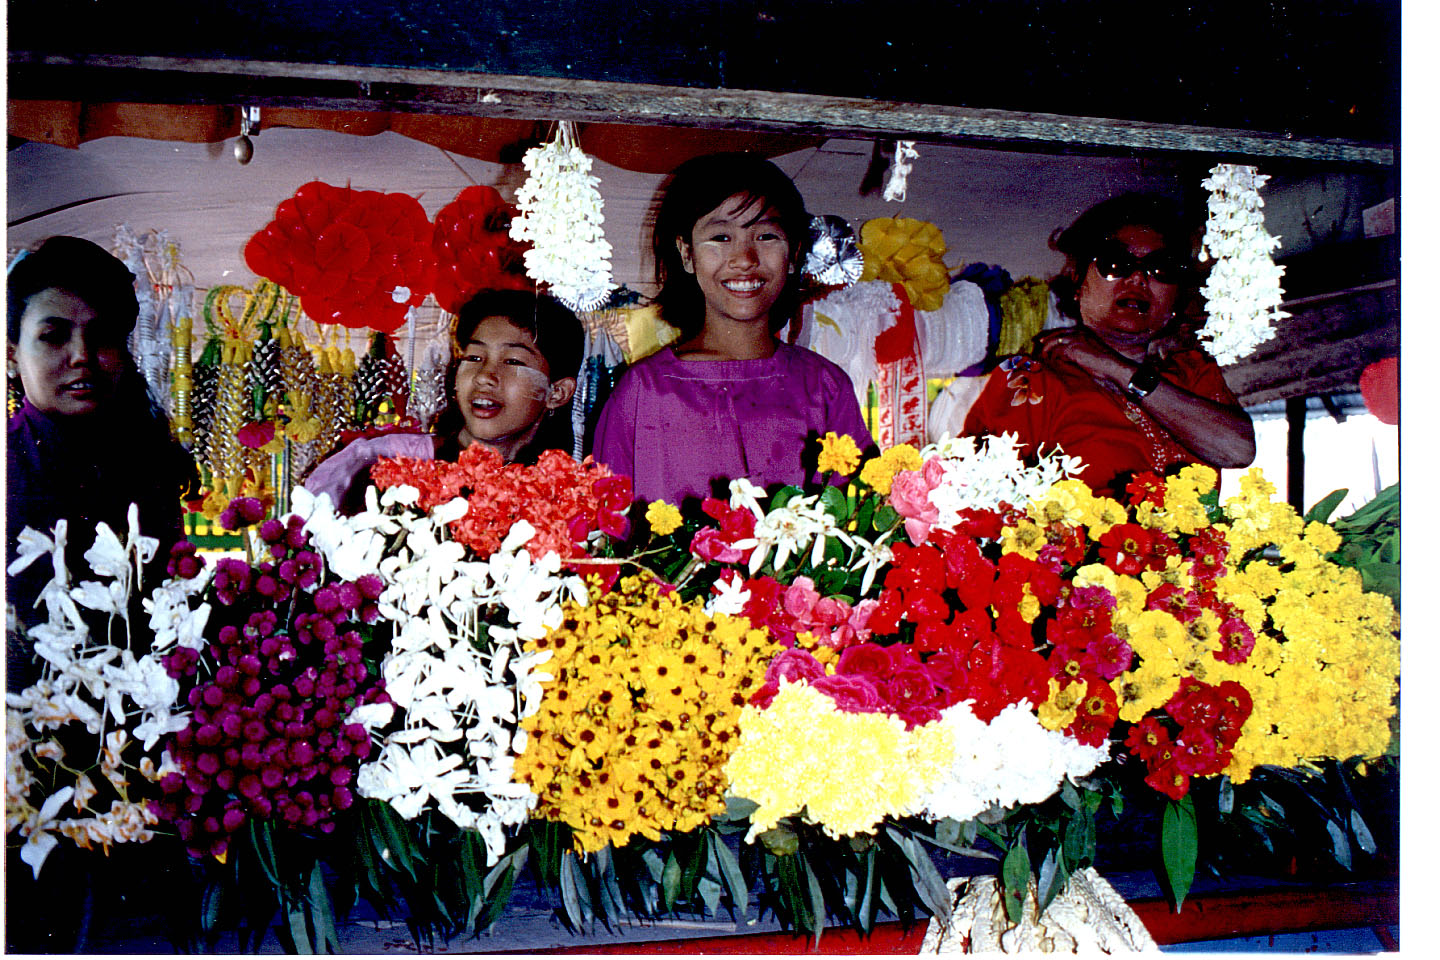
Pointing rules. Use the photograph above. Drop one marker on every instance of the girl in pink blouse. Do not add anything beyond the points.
(728, 399)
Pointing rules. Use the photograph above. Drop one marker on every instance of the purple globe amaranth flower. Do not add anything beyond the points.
(184, 562)
(272, 531)
(232, 578)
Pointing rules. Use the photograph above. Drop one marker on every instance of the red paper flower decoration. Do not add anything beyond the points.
(473, 249)
(359, 258)
(1380, 388)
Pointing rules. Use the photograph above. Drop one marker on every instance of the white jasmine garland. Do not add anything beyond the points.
(1243, 293)
(561, 215)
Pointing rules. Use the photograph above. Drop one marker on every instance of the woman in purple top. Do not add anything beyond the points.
(728, 400)
(87, 441)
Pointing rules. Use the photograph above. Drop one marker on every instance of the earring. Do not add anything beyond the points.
(14, 390)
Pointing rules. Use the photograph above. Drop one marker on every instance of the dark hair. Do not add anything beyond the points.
(559, 336)
(79, 267)
(1093, 229)
(697, 187)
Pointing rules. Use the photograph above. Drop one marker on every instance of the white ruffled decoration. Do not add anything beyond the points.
(561, 215)
(1242, 294)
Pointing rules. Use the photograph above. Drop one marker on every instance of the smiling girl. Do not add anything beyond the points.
(510, 381)
(728, 399)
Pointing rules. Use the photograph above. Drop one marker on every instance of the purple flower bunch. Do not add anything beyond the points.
(268, 736)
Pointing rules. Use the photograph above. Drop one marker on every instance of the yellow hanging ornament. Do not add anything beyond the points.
(909, 252)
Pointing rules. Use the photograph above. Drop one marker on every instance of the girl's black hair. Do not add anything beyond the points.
(697, 187)
(1096, 227)
(560, 338)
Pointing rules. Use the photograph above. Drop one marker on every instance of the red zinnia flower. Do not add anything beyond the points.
(1126, 548)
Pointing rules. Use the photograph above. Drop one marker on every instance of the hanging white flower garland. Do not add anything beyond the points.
(1242, 294)
(561, 216)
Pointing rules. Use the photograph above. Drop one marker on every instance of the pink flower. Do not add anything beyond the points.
(256, 435)
(710, 546)
(852, 694)
(794, 664)
(860, 618)
(800, 599)
(868, 660)
(910, 496)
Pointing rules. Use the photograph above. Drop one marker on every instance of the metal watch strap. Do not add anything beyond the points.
(1143, 381)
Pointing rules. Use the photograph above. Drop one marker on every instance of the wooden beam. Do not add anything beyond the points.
(348, 87)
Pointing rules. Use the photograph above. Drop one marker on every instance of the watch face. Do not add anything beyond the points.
(1145, 379)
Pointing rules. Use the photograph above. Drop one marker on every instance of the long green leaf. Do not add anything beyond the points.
(299, 932)
(322, 914)
(1054, 874)
(1015, 878)
(868, 906)
(929, 885)
(816, 897)
(730, 872)
(1179, 844)
(670, 882)
(1322, 510)
(397, 850)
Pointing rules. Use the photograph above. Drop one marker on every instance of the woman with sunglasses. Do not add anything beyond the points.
(1126, 389)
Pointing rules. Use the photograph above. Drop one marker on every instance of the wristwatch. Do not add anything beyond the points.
(1143, 382)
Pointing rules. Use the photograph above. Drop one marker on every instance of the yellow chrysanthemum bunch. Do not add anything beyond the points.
(842, 772)
(633, 733)
(1328, 689)
(1071, 501)
(879, 472)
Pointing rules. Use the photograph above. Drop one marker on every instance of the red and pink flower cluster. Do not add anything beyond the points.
(563, 500)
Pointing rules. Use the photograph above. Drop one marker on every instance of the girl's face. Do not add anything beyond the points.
(1133, 305)
(740, 256)
(503, 387)
(69, 359)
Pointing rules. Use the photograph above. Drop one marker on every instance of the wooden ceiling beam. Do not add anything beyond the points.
(363, 88)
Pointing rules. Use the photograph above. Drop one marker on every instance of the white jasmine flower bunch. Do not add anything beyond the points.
(561, 215)
(1010, 760)
(98, 709)
(1242, 294)
(456, 676)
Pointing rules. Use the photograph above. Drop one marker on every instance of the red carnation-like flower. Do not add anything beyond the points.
(1169, 780)
(1126, 548)
(1150, 741)
(1096, 714)
(1146, 488)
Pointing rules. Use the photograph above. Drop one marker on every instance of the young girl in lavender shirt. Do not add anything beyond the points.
(728, 399)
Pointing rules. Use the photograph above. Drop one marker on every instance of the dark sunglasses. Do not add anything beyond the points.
(1118, 262)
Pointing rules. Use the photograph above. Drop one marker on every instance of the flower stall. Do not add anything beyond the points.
(945, 698)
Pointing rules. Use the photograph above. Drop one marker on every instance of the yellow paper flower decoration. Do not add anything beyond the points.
(909, 252)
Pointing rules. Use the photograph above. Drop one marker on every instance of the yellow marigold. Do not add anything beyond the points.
(841, 771)
(633, 732)
(1104, 514)
(664, 519)
(1322, 537)
(1059, 709)
(838, 454)
(879, 472)
(1137, 692)
(1067, 501)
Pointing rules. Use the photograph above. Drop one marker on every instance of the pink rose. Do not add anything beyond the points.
(852, 694)
(794, 664)
(709, 545)
(830, 612)
(865, 660)
(860, 618)
(917, 714)
(800, 599)
(910, 496)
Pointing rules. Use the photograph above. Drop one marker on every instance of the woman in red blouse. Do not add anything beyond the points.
(1123, 389)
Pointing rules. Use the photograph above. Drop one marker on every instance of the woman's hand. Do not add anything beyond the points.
(1078, 349)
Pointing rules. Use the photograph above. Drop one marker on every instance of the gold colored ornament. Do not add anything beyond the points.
(909, 252)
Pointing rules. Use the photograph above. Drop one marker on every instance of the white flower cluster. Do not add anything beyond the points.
(984, 475)
(457, 679)
(561, 216)
(1010, 760)
(101, 685)
(1242, 294)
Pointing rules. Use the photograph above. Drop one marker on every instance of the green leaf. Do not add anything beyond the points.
(1340, 844)
(729, 870)
(1015, 878)
(885, 518)
(869, 905)
(1179, 843)
(1322, 510)
(1054, 873)
(1362, 832)
(299, 932)
(487, 908)
(738, 808)
(573, 895)
(1079, 842)
(865, 516)
(783, 496)
(834, 501)
(816, 897)
(322, 914)
(670, 883)
(397, 851)
(709, 891)
(1070, 795)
